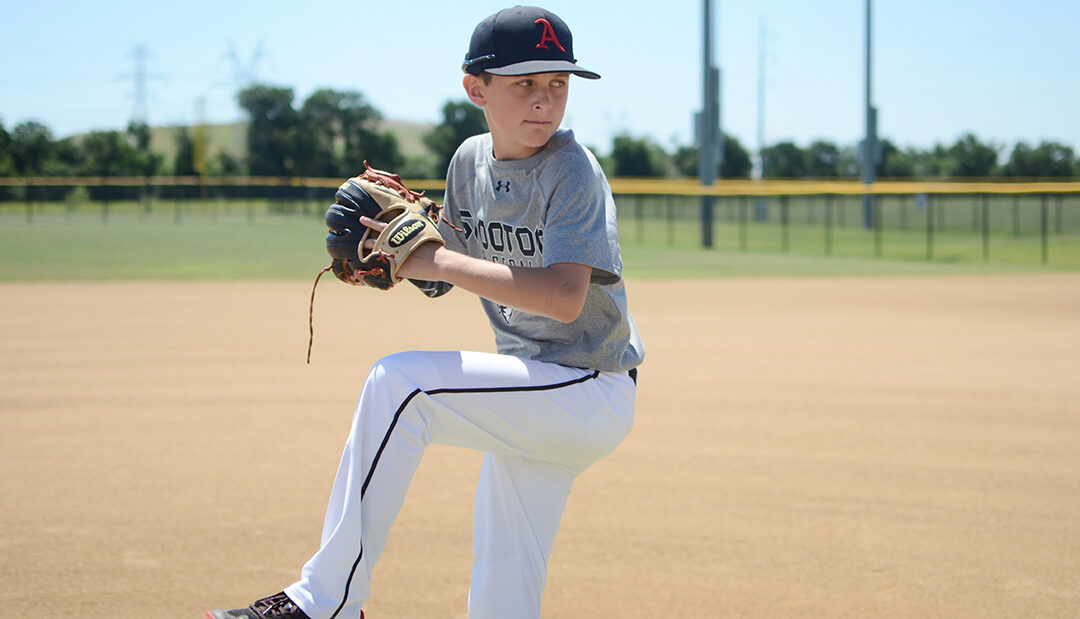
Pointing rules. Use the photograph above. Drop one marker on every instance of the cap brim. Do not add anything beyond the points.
(544, 66)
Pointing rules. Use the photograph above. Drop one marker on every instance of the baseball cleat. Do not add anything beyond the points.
(277, 606)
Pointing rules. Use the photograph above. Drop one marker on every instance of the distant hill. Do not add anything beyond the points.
(409, 135)
(231, 138)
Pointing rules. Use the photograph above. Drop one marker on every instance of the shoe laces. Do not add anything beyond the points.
(277, 605)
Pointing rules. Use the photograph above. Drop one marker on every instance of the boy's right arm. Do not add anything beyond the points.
(557, 291)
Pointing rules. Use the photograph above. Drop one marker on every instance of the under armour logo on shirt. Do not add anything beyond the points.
(502, 186)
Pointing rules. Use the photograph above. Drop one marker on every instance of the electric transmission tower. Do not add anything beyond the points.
(140, 113)
(245, 75)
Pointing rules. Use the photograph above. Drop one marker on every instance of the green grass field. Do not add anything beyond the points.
(829, 239)
(218, 240)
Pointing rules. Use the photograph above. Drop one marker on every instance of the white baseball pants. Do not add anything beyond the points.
(540, 426)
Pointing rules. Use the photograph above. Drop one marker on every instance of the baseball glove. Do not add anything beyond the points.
(411, 219)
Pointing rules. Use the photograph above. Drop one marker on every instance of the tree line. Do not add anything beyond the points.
(332, 132)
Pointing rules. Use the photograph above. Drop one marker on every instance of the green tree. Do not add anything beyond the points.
(970, 158)
(7, 162)
(896, 163)
(823, 160)
(460, 120)
(934, 163)
(108, 153)
(147, 161)
(272, 124)
(224, 164)
(363, 141)
(345, 129)
(66, 158)
(638, 157)
(847, 163)
(379, 148)
(685, 160)
(784, 160)
(736, 162)
(1047, 160)
(184, 162)
(321, 117)
(31, 147)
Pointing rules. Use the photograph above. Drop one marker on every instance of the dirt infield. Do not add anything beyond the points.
(804, 448)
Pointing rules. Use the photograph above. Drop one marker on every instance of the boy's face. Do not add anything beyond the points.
(522, 111)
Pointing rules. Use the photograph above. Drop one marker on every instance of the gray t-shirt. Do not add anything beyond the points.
(553, 207)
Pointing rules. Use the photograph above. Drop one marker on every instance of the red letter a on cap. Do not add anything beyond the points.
(548, 35)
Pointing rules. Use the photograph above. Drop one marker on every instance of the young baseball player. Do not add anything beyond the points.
(534, 236)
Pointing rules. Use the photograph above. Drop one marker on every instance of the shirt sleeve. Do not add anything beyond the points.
(580, 224)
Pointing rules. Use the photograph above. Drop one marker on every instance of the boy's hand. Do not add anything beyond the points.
(377, 227)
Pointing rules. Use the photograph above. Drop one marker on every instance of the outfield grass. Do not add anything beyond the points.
(817, 242)
(759, 249)
(256, 240)
(132, 246)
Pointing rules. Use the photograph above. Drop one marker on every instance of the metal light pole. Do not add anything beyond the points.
(870, 145)
(760, 172)
(708, 125)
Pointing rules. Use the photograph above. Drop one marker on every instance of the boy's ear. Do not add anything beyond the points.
(474, 89)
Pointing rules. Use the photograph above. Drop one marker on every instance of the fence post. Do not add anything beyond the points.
(1059, 214)
(639, 213)
(875, 205)
(177, 197)
(1044, 226)
(828, 224)
(743, 223)
(147, 195)
(69, 207)
(930, 226)
(986, 226)
(670, 211)
(785, 242)
(1016, 216)
(707, 221)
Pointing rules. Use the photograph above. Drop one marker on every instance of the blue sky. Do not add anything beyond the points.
(1004, 70)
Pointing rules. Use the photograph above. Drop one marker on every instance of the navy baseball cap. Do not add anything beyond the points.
(521, 41)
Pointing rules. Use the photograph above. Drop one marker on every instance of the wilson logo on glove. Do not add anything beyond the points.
(406, 231)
